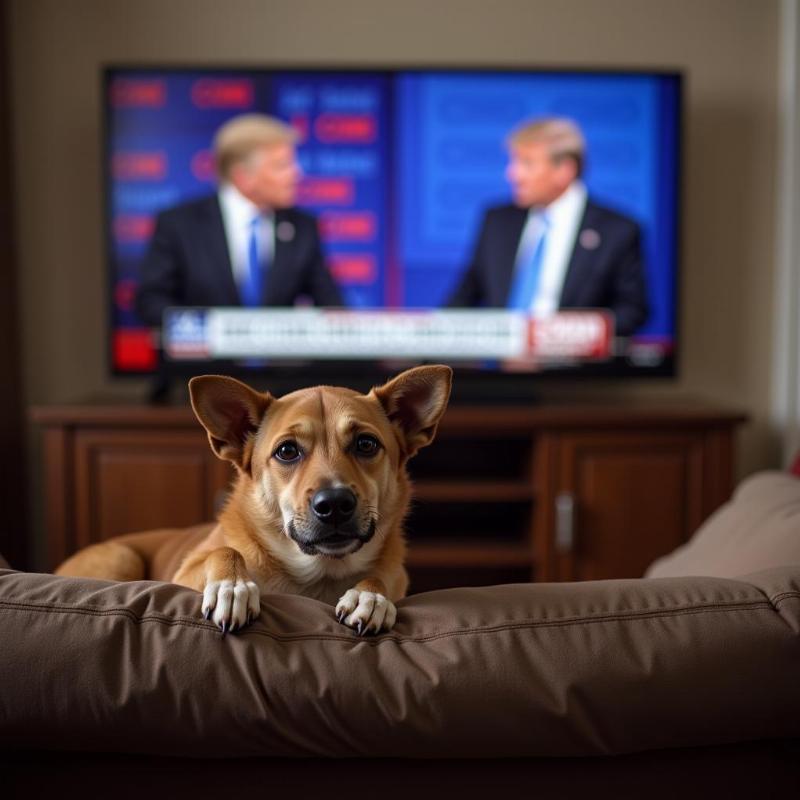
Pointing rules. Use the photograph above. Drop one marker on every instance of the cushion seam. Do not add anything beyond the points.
(755, 605)
(777, 598)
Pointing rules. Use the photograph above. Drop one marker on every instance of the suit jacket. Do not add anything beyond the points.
(188, 262)
(607, 275)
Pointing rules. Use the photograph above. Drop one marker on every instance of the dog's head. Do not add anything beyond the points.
(325, 465)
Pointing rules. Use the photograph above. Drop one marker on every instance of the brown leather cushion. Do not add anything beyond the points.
(522, 670)
(758, 529)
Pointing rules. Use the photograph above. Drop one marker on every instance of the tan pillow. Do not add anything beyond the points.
(758, 529)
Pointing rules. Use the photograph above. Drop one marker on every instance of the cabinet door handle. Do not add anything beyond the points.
(565, 522)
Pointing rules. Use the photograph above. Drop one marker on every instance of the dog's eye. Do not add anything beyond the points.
(367, 445)
(287, 451)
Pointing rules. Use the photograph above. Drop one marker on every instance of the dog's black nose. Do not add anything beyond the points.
(333, 506)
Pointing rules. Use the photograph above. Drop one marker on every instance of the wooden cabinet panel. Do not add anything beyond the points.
(639, 479)
(137, 480)
(635, 497)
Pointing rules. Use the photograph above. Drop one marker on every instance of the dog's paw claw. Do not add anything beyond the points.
(366, 612)
(231, 604)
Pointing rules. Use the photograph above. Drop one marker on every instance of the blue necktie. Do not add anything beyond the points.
(526, 276)
(252, 288)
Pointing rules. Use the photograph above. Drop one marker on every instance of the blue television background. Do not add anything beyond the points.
(401, 165)
(452, 128)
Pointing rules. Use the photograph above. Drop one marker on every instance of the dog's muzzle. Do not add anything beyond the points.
(332, 528)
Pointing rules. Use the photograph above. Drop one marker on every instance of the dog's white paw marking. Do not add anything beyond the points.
(366, 612)
(231, 605)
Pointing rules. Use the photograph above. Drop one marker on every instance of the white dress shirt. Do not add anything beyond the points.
(564, 219)
(237, 215)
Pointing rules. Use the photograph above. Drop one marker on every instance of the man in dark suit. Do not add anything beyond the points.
(245, 244)
(554, 248)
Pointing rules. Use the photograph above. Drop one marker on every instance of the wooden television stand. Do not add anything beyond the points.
(504, 494)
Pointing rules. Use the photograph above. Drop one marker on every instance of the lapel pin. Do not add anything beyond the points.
(589, 239)
(285, 231)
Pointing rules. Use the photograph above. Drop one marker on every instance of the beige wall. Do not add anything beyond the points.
(727, 49)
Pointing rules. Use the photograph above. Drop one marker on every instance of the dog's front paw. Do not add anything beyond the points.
(366, 612)
(231, 604)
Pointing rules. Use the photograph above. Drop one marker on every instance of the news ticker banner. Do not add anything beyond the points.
(458, 334)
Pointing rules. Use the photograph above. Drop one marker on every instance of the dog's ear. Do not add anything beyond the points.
(415, 401)
(231, 412)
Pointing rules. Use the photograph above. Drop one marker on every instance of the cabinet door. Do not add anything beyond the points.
(129, 481)
(623, 499)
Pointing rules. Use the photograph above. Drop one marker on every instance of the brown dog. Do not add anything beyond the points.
(318, 505)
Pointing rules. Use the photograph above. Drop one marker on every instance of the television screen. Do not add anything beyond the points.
(411, 179)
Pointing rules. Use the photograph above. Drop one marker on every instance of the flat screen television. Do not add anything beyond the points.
(399, 168)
